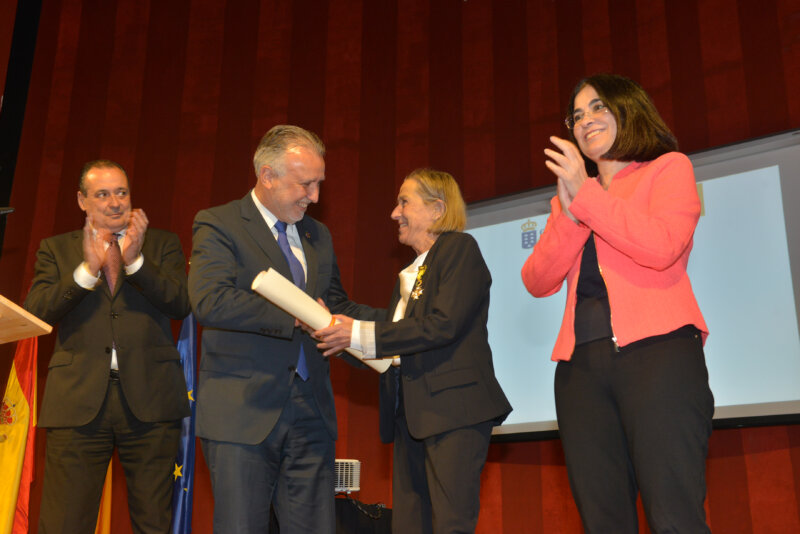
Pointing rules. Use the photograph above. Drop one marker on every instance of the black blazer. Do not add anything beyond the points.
(136, 317)
(447, 371)
(250, 347)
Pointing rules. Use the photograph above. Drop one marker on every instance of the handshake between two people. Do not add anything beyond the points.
(334, 338)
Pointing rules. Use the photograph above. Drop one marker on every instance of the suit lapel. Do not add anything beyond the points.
(412, 302)
(307, 238)
(393, 301)
(256, 226)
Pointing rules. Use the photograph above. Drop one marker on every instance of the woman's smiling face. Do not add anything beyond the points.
(596, 128)
(414, 217)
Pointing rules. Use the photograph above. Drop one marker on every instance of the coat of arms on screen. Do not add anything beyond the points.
(530, 235)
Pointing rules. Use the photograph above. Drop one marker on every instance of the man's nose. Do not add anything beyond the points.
(313, 193)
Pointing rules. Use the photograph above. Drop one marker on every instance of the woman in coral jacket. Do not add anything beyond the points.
(631, 387)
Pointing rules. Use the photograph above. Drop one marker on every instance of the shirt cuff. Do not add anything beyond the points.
(362, 337)
(84, 278)
(135, 266)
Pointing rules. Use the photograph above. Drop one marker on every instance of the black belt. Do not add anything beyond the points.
(114, 375)
(686, 331)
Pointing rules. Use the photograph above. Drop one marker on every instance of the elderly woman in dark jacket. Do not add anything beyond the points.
(441, 399)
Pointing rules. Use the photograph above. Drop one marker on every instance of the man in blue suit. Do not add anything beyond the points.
(265, 409)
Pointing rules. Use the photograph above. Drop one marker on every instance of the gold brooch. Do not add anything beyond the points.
(417, 292)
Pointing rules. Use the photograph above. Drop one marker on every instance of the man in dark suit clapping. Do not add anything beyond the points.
(115, 378)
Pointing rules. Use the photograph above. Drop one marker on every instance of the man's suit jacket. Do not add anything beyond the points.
(136, 318)
(446, 368)
(250, 347)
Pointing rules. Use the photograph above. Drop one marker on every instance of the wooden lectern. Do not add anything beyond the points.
(16, 323)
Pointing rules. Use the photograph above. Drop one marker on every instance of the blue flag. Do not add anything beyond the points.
(183, 486)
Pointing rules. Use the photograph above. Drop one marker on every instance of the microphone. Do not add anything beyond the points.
(6, 211)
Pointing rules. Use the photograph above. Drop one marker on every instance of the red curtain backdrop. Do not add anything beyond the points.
(179, 93)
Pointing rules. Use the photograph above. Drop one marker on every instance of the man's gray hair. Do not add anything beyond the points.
(273, 146)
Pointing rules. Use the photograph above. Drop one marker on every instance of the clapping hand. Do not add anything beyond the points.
(94, 249)
(570, 169)
(134, 236)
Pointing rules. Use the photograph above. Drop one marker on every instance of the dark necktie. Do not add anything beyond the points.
(113, 263)
(299, 277)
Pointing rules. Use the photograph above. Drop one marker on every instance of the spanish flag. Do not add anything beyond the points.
(17, 436)
(104, 514)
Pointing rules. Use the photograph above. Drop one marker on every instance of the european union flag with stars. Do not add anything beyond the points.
(183, 486)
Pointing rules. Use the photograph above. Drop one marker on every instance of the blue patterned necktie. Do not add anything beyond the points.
(299, 277)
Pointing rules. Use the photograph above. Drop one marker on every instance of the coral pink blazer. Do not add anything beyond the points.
(643, 228)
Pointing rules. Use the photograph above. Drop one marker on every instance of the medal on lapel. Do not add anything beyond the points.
(417, 292)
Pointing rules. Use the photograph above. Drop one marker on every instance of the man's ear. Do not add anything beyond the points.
(81, 201)
(266, 175)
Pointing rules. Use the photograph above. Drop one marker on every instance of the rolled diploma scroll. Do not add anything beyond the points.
(271, 285)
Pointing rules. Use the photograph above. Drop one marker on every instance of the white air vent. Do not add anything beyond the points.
(348, 476)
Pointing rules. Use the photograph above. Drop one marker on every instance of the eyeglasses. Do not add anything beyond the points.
(595, 108)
